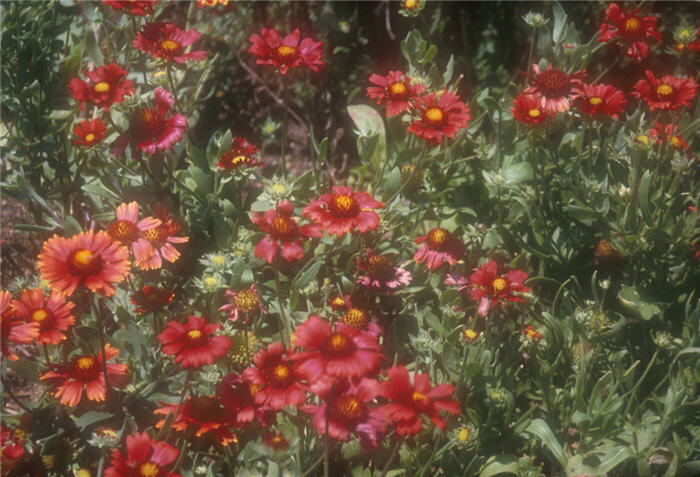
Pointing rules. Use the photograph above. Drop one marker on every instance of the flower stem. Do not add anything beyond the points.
(141, 57)
(185, 388)
(326, 463)
(285, 121)
(284, 324)
(103, 350)
(410, 178)
(391, 457)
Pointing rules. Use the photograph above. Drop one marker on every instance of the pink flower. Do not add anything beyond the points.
(380, 272)
(440, 246)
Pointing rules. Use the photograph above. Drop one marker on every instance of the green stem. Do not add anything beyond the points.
(391, 457)
(410, 178)
(285, 121)
(185, 387)
(633, 391)
(142, 59)
(103, 350)
(284, 325)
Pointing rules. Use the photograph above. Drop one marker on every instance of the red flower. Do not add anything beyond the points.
(601, 100)
(667, 92)
(145, 457)
(244, 302)
(204, 413)
(88, 259)
(52, 314)
(162, 239)
(669, 132)
(339, 302)
(283, 233)
(149, 299)
(277, 383)
(344, 210)
(241, 154)
(630, 28)
(135, 7)
(11, 442)
(381, 273)
(151, 129)
(129, 230)
(89, 132)
(238, 397)
(12, 328)
(556, 88)
(193, 343)
(108, 85)
(287, 52)
(531, 334)
(275, 440)
(410, 401)
(166, 41)
(395, 90)
(488, 288)
(439, 116)
(440, 246)
(350, 413)
(345, 352)
(528, 109)
(85, 373)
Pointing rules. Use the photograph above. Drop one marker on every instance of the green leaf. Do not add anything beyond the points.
(449, 70)
(517, 173)
(305, 276)
(91, 417)
(99, 189)
(92, 48)
(370, 123)
(559, 29)
(643, 193)
(501, 464)
(540, 430)
(632, 302)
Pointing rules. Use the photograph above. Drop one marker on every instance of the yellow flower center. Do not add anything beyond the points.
(595, 100)
(433, 115)
(149, 469)
(344, 202)
(169, 46)
(101, 87)
(82, 258)
(632, 25)
(664, 89)
(350, 408)
(246, 301)
(282, 372)
(398, 89)
(643, 138)
(437, 238)
(420, 398)
(39, 315)
(499, 284)
(85, 362)
(210, 282)
(285, 51)
(282, 226)
(89, 137)
(463, 434)
(339, 345)
(534, 113)
(355, 318)
(218, 260)
(684, 34)
(675, 140)
(194, 335)
(339, 302)
(470, 334)
(410, 4)
(238, 160)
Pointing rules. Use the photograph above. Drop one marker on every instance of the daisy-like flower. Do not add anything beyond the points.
(162, 239)
(149, 299)
(12, 328)
(107, 86)
(275, 379)
(531, 333)
(394, 90)
(339, 302)
(361, 319)
(194, 343)
(555, 88)
(284, 235)
(439, 246)
(601, 100)
(145, 457)
(238, 397)
(135, 7)
(350, 413)
(89, 132)
(129, 230)
(631, 28)
(669, 132)
(85, 373)
(489, 288)
(410, 401)
(52, 314)
(166, 41)
(90, 259)
(203, 413)
(245, 303)
(275, 440)
(242, 155)
(528, 109)
(380, 272)
(344, 211)
(288, 52)
(665, 93)
(439, 116)
(343, 352)
(153, 129)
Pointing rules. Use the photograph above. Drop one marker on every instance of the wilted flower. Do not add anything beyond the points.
(380, 272)
(162, 239)
(244, 302)
(668, 133)
(149, 299)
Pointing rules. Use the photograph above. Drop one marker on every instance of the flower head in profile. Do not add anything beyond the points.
(344, 211)
(52, 314)
(145, 457)
(194, 344)
(283, 233)
(601, 100)
(394, 90)
(245, 303)
(378, 271)
(149, 299)
(439, 246)
(242, 155)
(161, 239)
(490, 289)
(90, 259)
(630, 28)
(667, 93)
(409, 401)
(439, 116)
(203, 415)
(555, 88)
(668, 133)
(168, 42)
(106, 85)
(13, 328)
(89, 132)
(85, 374)
(153, 129)
(528, 109)
(278, 385)
(135, 7)
(291, 51)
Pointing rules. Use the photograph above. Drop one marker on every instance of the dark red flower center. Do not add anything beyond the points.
(204, 409)
(343, 206)
(349, 409)
(283, 227)
(84, 263)
(149, 469)
(398, 90)
(286, 53)
(169, 46)
(195, 337)
(355, 317)
(86, 369)
(101, 87)
(437, 239)
(339, 346)
(157, 235)
(433, 116)
(280, 376)
(380, 267)
(553, 83)
(124, 231)
(247, 301)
